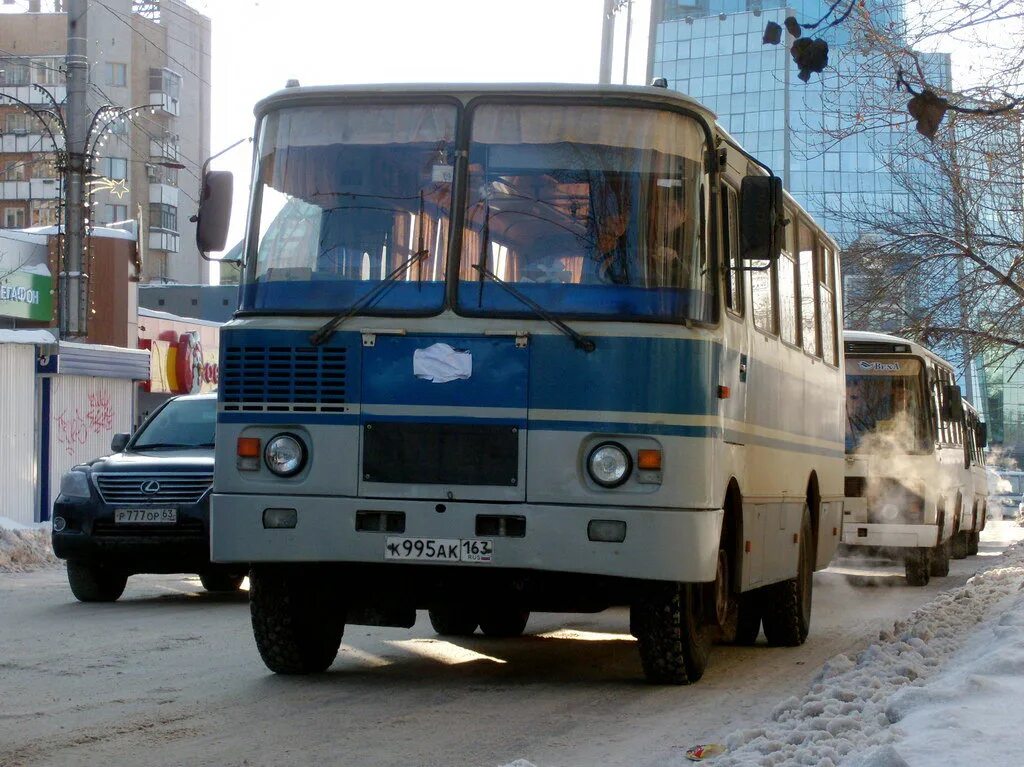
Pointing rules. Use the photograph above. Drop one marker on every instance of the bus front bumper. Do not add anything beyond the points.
(890, 535)
(659, 544)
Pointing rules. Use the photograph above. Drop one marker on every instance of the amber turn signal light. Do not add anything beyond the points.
(248, 447)
(648, 460)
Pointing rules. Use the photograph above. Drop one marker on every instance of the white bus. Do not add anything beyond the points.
(915, 482)
(505, 349)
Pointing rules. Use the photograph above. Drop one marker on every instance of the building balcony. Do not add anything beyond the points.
(28, 142)
(164, 240)
(164, 194)
(164, 151)
(31, 95)
(33, 189)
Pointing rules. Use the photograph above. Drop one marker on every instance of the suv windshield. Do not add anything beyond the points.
(886, 412)
(181, 423)
(345, 195)
(588, 211)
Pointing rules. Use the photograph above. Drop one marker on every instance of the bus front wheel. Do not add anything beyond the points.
(673, 636)
(940, 559)
(972, 543)
(297, 619)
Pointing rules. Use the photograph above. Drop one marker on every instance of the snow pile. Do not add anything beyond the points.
(850, 714)
(24, 547)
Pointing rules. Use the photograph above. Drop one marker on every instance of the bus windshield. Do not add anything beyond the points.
(590, 211)
(345, 195)
(886, 411)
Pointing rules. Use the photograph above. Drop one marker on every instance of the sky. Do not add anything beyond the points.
(260, 44)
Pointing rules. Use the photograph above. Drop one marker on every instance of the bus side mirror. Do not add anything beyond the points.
(952, 403)
(214, 211)
(981, 435)
(761, 218)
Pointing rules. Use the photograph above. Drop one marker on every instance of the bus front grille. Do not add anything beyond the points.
(441, 454)
(284, 378)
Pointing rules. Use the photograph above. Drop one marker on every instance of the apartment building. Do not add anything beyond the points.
(153, 54)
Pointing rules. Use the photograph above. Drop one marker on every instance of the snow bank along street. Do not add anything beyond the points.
(169, 675)
(24, 547)
(925, 690)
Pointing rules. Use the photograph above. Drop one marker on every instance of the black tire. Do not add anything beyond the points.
(95, 583)
(297, 620)
(940, 559)
(504, 622)
(672, 634)
(973, 539)
(917, 565)
(216, 581)
(959, 546)
(787, 605)
(452, 621)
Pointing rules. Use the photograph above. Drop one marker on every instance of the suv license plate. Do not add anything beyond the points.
(439, 549)
(146, 516)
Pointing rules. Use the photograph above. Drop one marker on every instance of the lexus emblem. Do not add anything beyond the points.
(150, 487)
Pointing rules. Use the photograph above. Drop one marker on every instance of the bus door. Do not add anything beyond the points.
(443, 416)
(734, 360)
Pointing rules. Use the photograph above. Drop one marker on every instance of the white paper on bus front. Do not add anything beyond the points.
(441, 363)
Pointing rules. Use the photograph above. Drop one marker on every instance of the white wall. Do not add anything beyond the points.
(85, 413)
(17, 432)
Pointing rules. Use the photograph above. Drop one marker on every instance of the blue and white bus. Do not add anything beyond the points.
(505, 349)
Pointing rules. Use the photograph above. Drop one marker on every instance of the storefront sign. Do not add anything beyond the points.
(25, 293)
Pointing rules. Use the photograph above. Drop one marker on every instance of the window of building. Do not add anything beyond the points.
(117, 75)
(44, 214)
(13, 73)
(165, 81)
(13, 169)
(44, 167)
(48, 71)
(114, 167)
(17, 122)
(14, 218)
(163, 216)
(112, 213)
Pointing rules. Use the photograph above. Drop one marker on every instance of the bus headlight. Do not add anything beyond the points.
(285, 455)
(609, 464)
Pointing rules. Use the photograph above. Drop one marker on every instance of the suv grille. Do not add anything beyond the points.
(178, 487)
(283, 378)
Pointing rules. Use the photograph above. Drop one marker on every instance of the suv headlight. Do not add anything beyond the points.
(285, 455)
(75, 484)
(609, 464)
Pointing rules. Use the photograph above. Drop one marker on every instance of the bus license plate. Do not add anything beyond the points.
(439, 549)
(146, 516)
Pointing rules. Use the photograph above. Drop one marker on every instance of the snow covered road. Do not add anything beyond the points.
(169, 675)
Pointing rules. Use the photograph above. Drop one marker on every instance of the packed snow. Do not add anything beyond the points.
(949, 679)
(24, 547)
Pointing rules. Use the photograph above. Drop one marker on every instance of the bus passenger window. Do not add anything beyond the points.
(762, 298)
(731, 250)
(808, 289)
(827, 305)
(787, 298)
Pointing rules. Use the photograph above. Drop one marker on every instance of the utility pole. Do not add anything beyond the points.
(74, 286)
(607, 41)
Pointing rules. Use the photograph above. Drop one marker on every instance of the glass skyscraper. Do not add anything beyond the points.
(712, 50)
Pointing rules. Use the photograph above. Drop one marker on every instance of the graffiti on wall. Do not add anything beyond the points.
(74, 428)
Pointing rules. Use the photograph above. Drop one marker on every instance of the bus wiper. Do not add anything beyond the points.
(324, 333)
(580, 340)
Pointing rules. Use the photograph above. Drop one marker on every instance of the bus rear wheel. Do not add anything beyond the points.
(673, 636)
(959, 545)
(452, 620)
(917, 565)
(297, 620)
(787, 605)
(972, 543)
(503, 622)
(940, 559)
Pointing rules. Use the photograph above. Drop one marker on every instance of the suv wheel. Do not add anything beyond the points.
(219, 581)
(95, 583)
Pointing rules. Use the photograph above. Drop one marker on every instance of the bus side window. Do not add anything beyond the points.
(806, 251)
(787, 276)
(762, 299)
(827, 304)
(731, 249)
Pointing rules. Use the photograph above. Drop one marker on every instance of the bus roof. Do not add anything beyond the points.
(868, 336)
